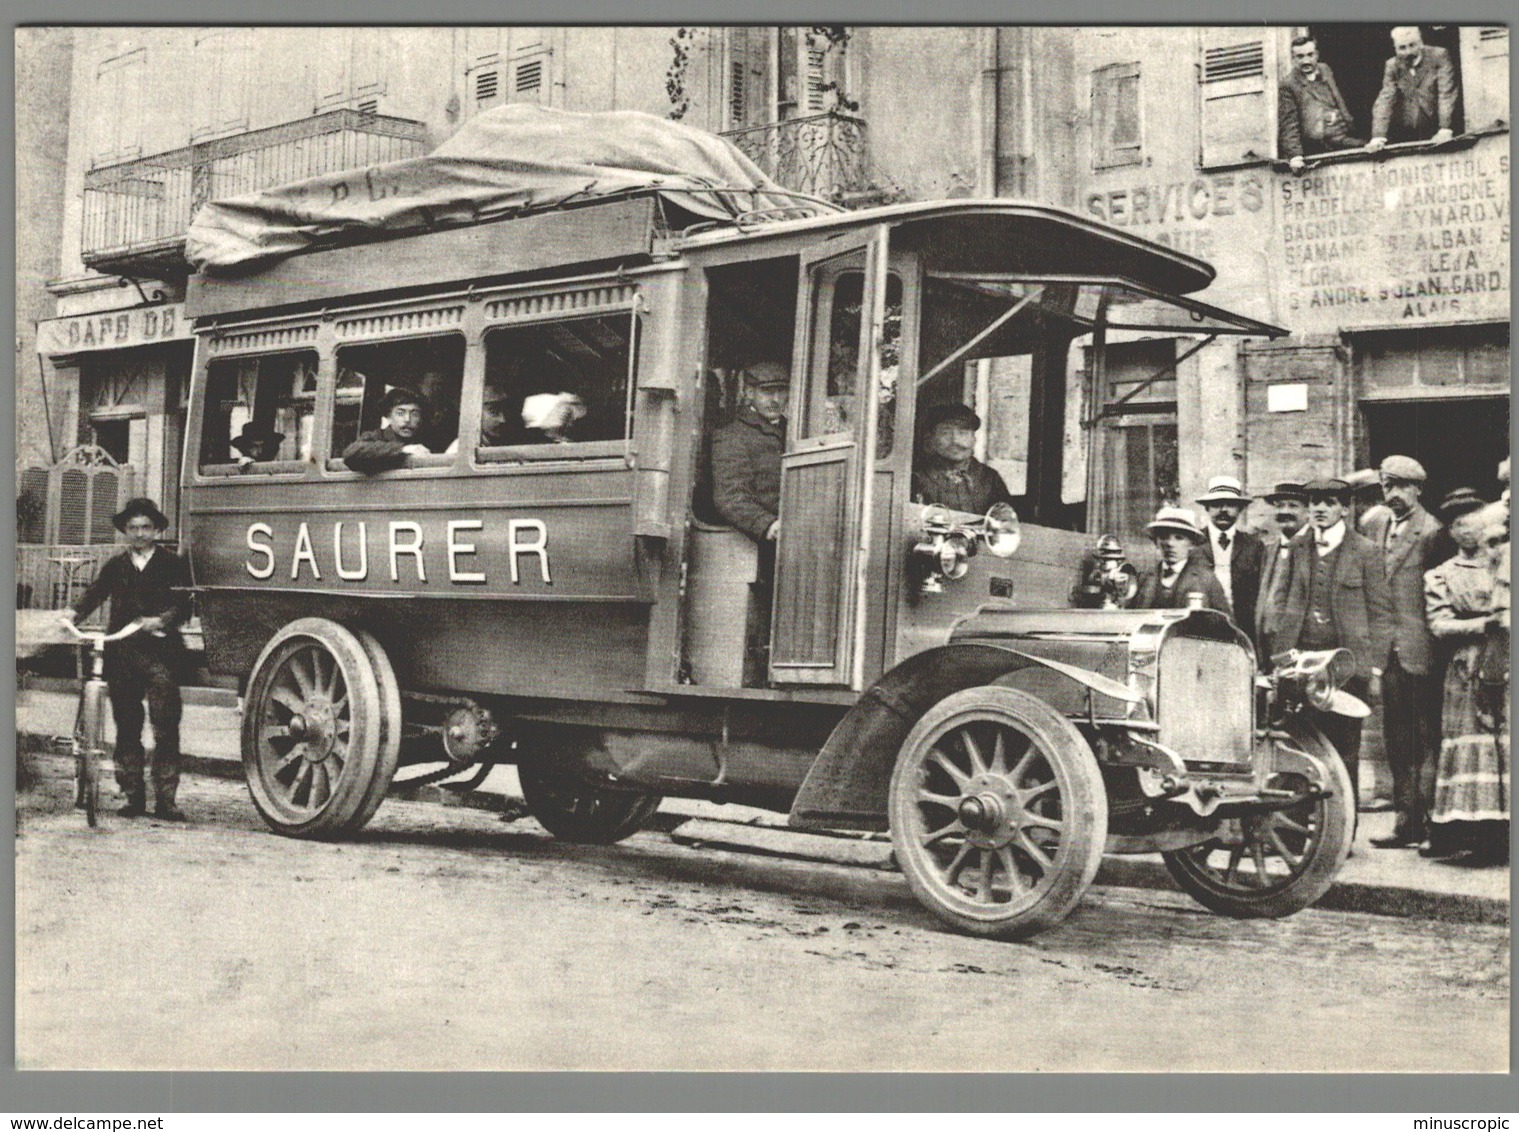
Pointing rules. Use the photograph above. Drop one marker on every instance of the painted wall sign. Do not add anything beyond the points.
(1181, 214)
(113, 330)
(1418, 240)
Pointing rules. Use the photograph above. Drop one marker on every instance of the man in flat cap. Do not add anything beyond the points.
(403, 414)
(1181, 572)
(1411, 541)
(746, 454)
(1234, 554)
(948, 473)
(1335, 596)
(151, 584)
(1290, 504)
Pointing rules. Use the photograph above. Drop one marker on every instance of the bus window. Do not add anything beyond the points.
(433, 367)
(259, 412)
(560, 384)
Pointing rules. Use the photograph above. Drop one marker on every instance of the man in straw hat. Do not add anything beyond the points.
(1411, 541)
(1290, 503)
(1235, 554)
(150, 584)
(403, 413)
(1334, 596)
(1180, 572)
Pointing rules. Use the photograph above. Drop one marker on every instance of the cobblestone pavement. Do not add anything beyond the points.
(444, 938)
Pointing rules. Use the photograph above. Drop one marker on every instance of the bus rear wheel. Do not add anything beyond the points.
(321, 731)
(573, 809)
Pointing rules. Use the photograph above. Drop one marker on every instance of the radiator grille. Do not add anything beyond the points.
(1204, 700)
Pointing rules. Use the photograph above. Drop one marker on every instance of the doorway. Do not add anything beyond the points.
(1459, 441)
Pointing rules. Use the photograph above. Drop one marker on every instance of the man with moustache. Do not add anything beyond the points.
(948, 473)
(404, 414)
(746, 454)
(1335, 596)
(1411, 541)
(1291, 506)
(1234, 554)
(1311, 113)
(1417, 101)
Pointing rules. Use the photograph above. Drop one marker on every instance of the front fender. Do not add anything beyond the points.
(847, 785)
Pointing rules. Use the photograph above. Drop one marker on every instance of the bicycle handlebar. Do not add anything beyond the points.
(99, 640)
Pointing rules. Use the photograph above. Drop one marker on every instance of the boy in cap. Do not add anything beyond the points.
(146, 583)
(1411, 541)
(948, 473)
(1234, 554)
(403, 414)
(1290, 503)
(1334, 595)
(1180, 572)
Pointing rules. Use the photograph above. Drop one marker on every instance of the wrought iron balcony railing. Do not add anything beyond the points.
(136, 213)
(822, 154)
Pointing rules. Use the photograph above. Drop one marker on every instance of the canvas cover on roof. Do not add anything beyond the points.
(506, 160)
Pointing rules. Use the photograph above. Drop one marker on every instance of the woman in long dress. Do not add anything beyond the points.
(1471, 806)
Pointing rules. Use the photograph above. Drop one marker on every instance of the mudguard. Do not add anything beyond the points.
(847, 785)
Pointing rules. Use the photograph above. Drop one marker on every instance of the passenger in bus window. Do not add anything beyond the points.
(550, 417)
(495, 421)
(440, 393)
(948, 473)
(404, 414)
(256, 444)
(746, 454)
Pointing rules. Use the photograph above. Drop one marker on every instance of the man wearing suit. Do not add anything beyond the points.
(1409, 538)
(1311, 114)
(1180, 574)
(1234, 555)
(1335, 596)
(1291, 505)
(1419, 91)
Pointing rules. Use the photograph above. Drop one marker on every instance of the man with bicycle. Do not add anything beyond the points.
(149, 584)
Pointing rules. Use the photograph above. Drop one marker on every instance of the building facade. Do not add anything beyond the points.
(1391, 272)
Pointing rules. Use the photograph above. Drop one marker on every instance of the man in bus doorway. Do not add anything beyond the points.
(746, 454)
(147, 583)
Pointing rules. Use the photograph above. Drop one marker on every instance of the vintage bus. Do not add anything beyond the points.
(573, 605)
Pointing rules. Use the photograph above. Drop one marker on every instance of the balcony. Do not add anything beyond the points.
(136, 213)
(822, 155)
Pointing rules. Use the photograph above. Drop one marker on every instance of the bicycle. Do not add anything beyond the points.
(86, 743)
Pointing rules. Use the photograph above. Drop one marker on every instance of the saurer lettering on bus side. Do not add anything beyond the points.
(345, 554)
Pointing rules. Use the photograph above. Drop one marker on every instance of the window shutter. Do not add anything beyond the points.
(105, 487)
(222, 81)
(368, 63)
(481, 46)
(530, 78)
(1484, 76)
(118, 113)
(814, 72)
(1237, 115)
(73, 507)
(487, 86)
(1117, 132)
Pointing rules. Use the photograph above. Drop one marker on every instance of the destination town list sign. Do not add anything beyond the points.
(1405, 242)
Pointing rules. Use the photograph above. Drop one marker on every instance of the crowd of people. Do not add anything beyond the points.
(1422, 605)
(1416, 103)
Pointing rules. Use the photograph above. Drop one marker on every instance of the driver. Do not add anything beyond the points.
(948, 473)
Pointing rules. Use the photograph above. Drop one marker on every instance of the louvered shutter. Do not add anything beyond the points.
(105, 489)
(1484, 77)
(1237, 114)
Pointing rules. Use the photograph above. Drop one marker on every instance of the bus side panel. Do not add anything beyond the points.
(565, 651)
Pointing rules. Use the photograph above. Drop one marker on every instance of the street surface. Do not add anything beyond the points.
(445, 938)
